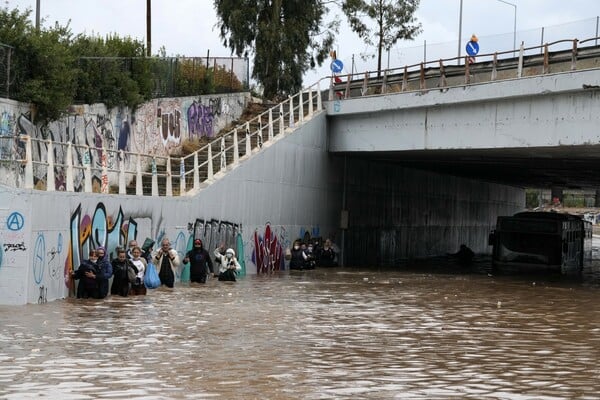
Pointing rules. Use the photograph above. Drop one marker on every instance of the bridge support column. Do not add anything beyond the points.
(597, 198)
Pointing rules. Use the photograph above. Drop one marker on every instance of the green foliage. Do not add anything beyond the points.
(393, 20)
(50, 83)
(574, 200)
(52, 70)
(532, 198)
(285, 37)
(112, 71)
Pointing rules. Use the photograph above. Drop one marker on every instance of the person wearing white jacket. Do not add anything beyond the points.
(166, 260)
(228, 266)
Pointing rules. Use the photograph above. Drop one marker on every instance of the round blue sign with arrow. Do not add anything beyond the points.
(472, 48)
(337, 66)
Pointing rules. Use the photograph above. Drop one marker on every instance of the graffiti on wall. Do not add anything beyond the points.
(157, 127)
(214, 233)
(269, 250)
(92, 231)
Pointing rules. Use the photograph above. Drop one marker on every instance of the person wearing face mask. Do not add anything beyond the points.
(86, 274)
(229, 265)
(298, 258)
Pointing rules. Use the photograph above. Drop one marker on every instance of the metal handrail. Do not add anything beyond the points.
(443, 68)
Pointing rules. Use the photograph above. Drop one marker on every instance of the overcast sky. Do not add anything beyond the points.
(187, 27)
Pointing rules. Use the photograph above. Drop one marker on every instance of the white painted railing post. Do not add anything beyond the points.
(210, 172)
(223, 155)
(270, 124)
(50, 184)
(28, 163)
(122, 189)
(236, 154)
(69, 178)
(300, 107)
(319, 100)
(139, 187)
(182, 188)
(154, 178)
(281, 121)
(310, 102)
(291, 124)
(169, 188)
(87, 171)
(196, 172)
(248, 143)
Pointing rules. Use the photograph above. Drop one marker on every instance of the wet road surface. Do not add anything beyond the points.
(416, 333)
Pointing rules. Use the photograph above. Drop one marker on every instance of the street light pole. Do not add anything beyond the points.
(459, 30)
(514, 25)
(149, 28)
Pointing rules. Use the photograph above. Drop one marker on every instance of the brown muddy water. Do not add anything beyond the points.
(423, 332)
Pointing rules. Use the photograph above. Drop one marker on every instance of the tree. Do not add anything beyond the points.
(394, 20)
(283, 36)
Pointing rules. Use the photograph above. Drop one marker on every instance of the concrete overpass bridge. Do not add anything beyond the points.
(530, 121)
(407, 165)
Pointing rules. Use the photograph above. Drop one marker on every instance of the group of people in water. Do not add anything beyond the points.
(128, 268)
(311, 255)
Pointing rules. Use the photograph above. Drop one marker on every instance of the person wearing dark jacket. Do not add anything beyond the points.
(464, 255)
(86, 274)
(327, 255)
(121, 285)
(105, 272)
(298, 257)
(200, 262)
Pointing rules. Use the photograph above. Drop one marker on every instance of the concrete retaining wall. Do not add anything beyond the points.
(286, 190)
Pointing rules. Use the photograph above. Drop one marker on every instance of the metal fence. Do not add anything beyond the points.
(170, 76)
(400, 55)
(180, 76)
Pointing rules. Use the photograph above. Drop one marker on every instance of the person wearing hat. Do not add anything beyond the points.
(200, 262)
(229, 264)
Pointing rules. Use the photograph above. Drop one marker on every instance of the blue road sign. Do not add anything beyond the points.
(472, 48)
(337, 66)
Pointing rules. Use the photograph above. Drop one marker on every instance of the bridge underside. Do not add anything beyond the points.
(575, 167)
(538, 132)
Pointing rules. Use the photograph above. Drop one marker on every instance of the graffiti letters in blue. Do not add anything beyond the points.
(15, 221)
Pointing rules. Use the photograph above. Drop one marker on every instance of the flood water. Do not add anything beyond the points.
(424, 332)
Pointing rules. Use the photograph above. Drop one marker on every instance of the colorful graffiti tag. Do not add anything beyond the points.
(95, 231)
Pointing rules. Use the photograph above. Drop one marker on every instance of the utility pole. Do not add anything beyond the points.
(148, 28)
(37, 15)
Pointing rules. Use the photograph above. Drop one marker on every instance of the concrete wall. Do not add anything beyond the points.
(289, 189)
(158, 127)
(398, 213)
(553, 110)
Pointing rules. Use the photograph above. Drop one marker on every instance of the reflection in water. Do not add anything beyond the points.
(425, 333)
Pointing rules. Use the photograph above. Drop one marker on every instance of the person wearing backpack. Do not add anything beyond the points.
(121, 284)
(137, 286)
